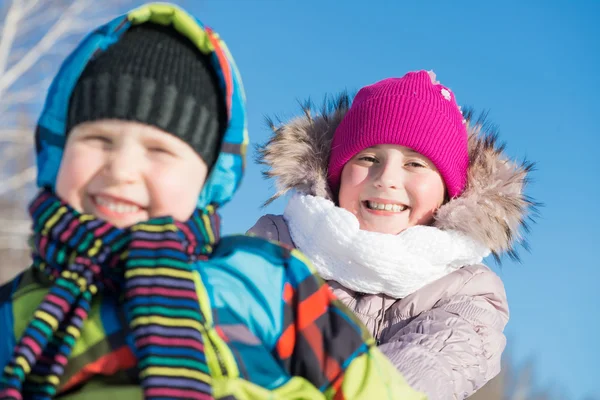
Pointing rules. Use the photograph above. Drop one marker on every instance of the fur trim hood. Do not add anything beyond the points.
(492, 209)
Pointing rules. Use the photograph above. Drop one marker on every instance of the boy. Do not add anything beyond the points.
(131, 292)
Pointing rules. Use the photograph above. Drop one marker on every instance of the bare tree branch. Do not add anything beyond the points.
(31, 6)
(16, 136)
(35, 36)
(13, 152)
(37, 20)
(17, 181)
(59, 28)
(517, 382)
(21, 228)
(9, 31)
(25, 94)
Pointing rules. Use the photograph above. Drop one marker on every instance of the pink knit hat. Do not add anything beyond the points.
(413, 111)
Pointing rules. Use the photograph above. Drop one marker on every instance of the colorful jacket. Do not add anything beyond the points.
(447, 337)
(273, 330)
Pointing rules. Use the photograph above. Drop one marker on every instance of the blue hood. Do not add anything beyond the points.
(51, 132)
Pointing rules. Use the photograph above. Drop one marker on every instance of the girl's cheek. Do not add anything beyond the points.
(356, 175)
(430, 190)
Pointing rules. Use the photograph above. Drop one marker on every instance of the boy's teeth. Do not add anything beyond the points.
(386, 207)
(121, 208)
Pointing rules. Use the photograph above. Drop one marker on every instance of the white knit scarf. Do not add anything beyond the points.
(371, 262)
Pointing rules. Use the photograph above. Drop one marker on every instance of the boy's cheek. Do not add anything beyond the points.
(175, 196)
(68, 189)
(74, 175)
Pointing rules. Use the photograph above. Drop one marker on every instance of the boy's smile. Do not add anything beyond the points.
(109, 207)
(127, 172)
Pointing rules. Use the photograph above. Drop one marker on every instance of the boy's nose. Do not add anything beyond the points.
(122, 166)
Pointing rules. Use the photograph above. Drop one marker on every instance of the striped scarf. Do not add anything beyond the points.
(151, 263)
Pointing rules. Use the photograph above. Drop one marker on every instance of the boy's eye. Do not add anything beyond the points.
(159, 150)
(99, 138)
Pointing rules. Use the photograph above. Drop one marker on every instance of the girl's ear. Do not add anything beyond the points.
(335, 197)
(446, 201)
(446, 198)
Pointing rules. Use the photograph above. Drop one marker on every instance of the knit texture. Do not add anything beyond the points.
(373, 262)
(413, 111)
(151, 263)
(156, 76)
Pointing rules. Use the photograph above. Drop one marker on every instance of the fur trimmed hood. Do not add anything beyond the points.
(492, 209)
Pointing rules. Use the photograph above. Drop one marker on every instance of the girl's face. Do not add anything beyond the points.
(390, 188)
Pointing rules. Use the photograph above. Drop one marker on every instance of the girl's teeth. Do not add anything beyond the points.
(121, 208)
(385, 207)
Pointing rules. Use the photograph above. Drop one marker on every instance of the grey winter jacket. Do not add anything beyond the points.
(447, 337)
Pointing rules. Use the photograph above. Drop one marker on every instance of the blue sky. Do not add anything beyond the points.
(533, 65)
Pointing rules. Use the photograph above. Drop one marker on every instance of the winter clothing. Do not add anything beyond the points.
(372, 262)
(413, 111)
(81, 256)
(157, 76)
(167, 309)
(446, 335)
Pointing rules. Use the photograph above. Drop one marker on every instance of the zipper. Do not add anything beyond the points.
(380, 322)
(205, 309)
(215, 347)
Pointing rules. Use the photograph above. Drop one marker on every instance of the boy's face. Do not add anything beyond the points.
(390, 188)
(126, 172)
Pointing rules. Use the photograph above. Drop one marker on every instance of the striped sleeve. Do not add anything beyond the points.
(282, 322)
(325, 343)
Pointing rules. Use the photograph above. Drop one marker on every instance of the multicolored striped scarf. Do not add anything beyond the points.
(151, 263)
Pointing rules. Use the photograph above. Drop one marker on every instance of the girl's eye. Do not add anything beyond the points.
(368, 159)
(416, 164)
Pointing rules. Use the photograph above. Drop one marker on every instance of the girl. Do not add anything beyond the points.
(398, 199)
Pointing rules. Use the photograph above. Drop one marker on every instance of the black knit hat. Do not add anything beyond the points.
(156, 76)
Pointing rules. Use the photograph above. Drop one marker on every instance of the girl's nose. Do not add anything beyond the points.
(390, 176)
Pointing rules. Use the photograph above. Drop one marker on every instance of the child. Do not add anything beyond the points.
(398, 200)
(131, 292)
